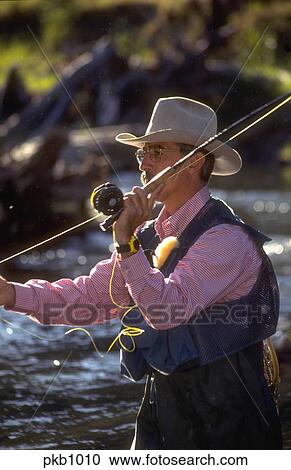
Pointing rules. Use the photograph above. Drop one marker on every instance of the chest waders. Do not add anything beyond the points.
(206, 387)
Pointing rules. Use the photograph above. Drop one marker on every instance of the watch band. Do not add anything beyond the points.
(131, 247)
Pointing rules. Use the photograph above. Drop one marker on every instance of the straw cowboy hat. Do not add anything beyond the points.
(186, 121)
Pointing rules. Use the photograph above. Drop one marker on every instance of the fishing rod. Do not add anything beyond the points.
(107, 198)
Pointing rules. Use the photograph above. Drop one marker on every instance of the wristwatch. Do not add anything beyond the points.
(131, 247)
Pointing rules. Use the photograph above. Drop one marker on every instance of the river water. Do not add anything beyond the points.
(58, 392)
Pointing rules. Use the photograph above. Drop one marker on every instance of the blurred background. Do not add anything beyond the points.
(73, 74)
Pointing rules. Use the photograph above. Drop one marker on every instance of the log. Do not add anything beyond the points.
(45, 113)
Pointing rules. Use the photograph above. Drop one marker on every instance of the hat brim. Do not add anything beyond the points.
(227, 160)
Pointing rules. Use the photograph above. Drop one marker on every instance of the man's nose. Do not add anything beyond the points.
(146, 163)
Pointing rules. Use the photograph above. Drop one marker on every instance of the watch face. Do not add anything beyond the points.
(131, 247)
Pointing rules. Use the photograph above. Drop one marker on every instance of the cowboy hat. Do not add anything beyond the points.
(186, 121)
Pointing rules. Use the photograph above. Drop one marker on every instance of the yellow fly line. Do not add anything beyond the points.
(129, 331)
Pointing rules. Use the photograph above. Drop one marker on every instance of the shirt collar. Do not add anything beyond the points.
(173, 225)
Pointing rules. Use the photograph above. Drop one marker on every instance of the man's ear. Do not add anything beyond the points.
(197, 165)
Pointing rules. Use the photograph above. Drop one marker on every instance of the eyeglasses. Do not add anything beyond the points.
(155, 153)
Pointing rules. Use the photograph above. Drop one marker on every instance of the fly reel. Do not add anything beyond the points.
(108, 200)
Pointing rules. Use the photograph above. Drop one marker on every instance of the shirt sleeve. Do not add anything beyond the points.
(222, 265)
(83, 301)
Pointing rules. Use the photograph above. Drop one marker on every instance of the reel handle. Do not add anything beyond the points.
(108, 198)
(109, 221)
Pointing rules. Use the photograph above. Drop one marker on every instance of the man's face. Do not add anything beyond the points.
(156, 157)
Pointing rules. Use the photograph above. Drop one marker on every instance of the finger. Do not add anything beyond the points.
(132, 209)
(135, 195)
(129, 200)
(138, 198)
(131, 205)
(141, 198)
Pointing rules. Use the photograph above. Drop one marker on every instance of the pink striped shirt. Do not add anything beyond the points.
(222, 265)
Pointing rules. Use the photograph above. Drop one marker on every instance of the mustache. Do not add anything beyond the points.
(146, 176)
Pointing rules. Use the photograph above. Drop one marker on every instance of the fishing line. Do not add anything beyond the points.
(49, 239)
(129, 331)
(136, 331)
(132, 331)
(229, 139)
(285, 101)
(43, 338)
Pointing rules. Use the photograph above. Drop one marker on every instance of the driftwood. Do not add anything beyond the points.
(43, 166)
(119, 157)
(115, 93)
(108, 91)
(47, 112)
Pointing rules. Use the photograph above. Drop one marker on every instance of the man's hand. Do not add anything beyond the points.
(137, 208)
(7, 293)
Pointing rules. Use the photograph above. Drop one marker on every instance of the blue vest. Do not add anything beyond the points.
(218, 330)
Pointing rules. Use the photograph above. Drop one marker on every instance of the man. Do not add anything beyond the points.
(202, 316)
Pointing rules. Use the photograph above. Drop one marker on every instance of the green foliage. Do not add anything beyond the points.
(7, 7)
(56, 22)
(38, 77)
(185, 21)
